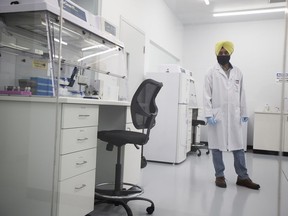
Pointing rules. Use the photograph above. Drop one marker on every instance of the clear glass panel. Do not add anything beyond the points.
(26, 66)
(84, 56)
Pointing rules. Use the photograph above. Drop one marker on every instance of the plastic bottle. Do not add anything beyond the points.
(267, 108)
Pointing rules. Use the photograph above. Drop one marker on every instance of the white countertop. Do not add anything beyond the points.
(74, 100)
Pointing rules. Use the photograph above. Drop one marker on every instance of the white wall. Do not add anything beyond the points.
(258, 53)
(258, 47)
(153, 17)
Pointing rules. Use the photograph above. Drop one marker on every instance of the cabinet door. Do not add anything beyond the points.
(266, 132)
(27, 136)
(132, 161)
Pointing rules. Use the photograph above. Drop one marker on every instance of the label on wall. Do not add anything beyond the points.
(280, 77)
(39, 64)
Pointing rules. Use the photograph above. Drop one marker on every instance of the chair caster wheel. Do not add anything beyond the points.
(207, 153)
(143, 162)
(199, 154)
(150, 209)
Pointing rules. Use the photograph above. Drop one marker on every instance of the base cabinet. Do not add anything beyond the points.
(34, 174)
(267, 132)
(26, 157)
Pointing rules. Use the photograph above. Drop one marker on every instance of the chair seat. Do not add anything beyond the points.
(122, 137)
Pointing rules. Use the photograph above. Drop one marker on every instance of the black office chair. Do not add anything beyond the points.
(143, 112)
(197, 146)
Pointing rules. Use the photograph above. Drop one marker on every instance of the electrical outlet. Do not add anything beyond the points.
(83, 80)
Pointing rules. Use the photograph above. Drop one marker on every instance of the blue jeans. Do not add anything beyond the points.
(239, 163)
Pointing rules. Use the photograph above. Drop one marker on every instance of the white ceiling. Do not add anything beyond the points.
(197, 12)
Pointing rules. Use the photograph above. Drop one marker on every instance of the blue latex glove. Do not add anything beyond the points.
(211, 120)
(244, 119)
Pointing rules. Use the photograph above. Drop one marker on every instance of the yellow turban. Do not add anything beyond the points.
(226, 45)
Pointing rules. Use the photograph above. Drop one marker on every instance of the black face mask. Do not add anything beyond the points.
(223, 60)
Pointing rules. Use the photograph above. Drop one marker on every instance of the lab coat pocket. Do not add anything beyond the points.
(236, 87)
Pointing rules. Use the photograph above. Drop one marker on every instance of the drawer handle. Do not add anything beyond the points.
(83, 116)
(82, 163)
(81, 187)
(82, 139)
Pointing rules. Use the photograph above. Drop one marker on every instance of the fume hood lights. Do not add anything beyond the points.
(93, 47)
(15, 46)
(62, 42)
(248, 12)
(99, 53)
(207, 2)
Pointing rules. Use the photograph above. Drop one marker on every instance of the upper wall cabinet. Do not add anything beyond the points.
(30, 37)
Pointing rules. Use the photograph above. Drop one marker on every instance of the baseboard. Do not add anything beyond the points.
(257, 151)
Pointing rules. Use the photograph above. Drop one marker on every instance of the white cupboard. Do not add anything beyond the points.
(267, 131)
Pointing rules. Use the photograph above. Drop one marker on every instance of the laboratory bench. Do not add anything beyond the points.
(50, 157)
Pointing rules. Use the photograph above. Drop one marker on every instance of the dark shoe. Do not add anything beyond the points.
(220, 182)
(247, 183)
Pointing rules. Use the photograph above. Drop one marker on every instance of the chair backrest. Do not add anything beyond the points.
(143, 106)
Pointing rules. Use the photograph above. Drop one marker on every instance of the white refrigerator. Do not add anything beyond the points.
(168, 138)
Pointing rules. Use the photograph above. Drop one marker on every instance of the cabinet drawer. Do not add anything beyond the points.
(76, 163)
(76, 139)
(76, 195)
(78, 115)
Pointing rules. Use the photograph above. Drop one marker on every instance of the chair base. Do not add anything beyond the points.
(196, 147)
(122, 197)
(106, 190)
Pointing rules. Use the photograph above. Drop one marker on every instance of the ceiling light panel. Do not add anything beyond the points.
(207, 2)
(248, 12)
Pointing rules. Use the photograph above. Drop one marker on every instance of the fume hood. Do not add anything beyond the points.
(30, 37)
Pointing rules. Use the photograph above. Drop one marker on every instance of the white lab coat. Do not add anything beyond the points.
(224, 98)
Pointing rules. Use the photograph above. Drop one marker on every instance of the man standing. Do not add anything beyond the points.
(225, 111)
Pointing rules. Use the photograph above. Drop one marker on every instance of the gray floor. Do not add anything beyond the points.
(188, 189)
